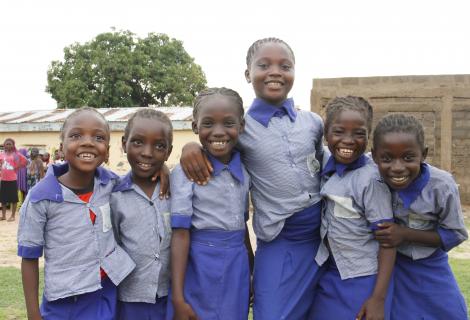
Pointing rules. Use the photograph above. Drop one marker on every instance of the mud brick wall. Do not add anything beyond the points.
(441, 103)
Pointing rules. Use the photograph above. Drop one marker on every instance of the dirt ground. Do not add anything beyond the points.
(8, 243)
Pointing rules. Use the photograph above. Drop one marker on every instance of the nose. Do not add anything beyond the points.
(147, 151)
(218, 130)
(397, 166)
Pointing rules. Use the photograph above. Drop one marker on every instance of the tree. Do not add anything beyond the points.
(118, 69)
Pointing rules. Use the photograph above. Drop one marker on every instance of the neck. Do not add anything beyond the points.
(76, 179)
(146, 184)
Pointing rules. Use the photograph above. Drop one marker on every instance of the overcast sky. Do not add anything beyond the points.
(330, 38)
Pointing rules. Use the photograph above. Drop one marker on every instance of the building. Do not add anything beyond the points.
(441, 103)
(41, 129)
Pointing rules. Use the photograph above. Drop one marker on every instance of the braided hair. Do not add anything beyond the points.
(259, 43)
(149, 113)
(399, 122)
(354, 103)
(222, 91)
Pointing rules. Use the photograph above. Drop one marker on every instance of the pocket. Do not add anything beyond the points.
(343, 207)
(313, 164)
(416, 222)
(106, 214)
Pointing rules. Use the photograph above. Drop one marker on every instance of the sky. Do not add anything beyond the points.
(330, 38)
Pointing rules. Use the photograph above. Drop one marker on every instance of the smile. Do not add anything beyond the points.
(144, 165)
(86, 156)
(345, 153)
(274, 84)
(399, 180)
(218, 144)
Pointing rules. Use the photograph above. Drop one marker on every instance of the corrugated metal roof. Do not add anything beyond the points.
(111, 114)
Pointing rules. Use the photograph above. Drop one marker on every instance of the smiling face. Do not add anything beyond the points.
(147, 146)
(347, 136)
(271, 72)
(399, 156)
(85, 142)
(218, 124)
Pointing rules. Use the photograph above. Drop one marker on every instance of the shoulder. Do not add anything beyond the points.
(440, 179)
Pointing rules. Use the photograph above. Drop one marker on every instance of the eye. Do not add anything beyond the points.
(230, 124)
(409, 157)
(100, 138)
(136, 142)
(263, 66)
(286, 67)
(75, 136)
(385, 159)
(360, 134)
(206, 124)
(160, 146)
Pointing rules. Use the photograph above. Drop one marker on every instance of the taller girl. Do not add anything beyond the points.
(281, 148)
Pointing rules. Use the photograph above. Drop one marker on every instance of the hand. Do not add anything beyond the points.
(372, 309)
(184, 311)
(390, 234)
(195, 164)
(164, 175)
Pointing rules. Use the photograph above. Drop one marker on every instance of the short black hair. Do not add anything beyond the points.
(149, 113)
(399, 122)
(354, 103)
(259, 43)
(209, 92)
(78, 112)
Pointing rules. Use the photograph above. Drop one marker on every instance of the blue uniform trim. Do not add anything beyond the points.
(449, 238)
(375, 225)
(180, 221)
(332, 166)
(30, 252)
(49, 188)
(234, 166)
(262, 111)
(125, 183)
(411, 193)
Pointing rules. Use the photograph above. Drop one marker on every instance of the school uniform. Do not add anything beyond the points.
(356, 201)
(142, 228)
(55, 220)
(281, 149)
(425, 287)
(217, 275)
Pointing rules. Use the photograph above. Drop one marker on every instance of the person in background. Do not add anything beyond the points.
(10, 161)
(22, 175)
(35, 170)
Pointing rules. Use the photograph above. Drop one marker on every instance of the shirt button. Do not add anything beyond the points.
(151, 203)
(232, 185)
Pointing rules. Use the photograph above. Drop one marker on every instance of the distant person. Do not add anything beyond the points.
(67, 216)
(35, 169)
(22, 175)
(428, 223)
(46, 158)
(58, 157)
(141, 221)
(10, 161)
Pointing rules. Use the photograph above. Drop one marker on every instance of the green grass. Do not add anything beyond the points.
(12, 305)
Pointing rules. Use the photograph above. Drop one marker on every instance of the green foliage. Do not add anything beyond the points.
(460, 267)
(118, 69)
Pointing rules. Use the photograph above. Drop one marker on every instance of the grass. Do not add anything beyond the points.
(12, 305)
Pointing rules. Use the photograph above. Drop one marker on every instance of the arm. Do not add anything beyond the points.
(180, 239)
(195, 164)
(30, 275)
(164, 175)
(374, 307)
(41, 170)
(392, 235)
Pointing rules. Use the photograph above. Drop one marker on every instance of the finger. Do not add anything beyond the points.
(361, 313)
(385, 224)
(386, 245)
(186, 172)
(209, 165)
(164, 186)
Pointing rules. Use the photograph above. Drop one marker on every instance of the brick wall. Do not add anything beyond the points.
(441, 103)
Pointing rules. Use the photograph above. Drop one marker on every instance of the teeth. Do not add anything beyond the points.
(86, 156)
(399, 179)
(145, 165)
(274, 85)
(218, 144)
(345, 152)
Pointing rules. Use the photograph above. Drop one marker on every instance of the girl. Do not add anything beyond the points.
(141, 220)
(67, 215)
(429, 222)
(10, 161)
(35, 169)
(21, 175)
(209, 262)
(356, 280)
(281, 148)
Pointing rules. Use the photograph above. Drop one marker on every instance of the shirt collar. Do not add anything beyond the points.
(332, 166)
(263, 111)
(234, 166)
(49, 188)
(125, 183)
(411, 193)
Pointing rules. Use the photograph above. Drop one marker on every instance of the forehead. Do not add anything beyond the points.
(91, 119)
(273, 50)
(218, 103)
(348, 115)
(149, 126)
(402, 140)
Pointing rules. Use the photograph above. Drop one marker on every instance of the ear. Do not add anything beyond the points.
(170, 148)
(425, 153)
(242, 126)
(374, 155)
(247, 76)
(123, 143)
(194, 126)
